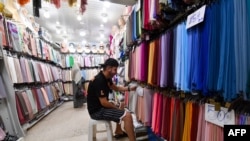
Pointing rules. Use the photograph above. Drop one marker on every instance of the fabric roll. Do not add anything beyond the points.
(12, 69)
(187, 125)
(32, 101)
(151, 62)
(147, 104)
(28, 105)
(41, 99)
(199, 131)
(165, 130)
(19, 110)
(2, 88)
(132, 101)
(32, 71)
(177, 122)
(49, 92)
(23, 105)
(159, 113)
(164, 70)
(35, 71)
(178, 55)
(144, 61)
(194, 125)
(154, 111)
(23, 69)
(18, 70)
(28, 71)
(33, 45)
(172, 117)
(45, 96)
(159, 62)
(36, 99)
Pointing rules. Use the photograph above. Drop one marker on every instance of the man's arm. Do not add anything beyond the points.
(105, 103)
(121, 88)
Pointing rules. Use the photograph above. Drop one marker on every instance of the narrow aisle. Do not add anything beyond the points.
(64, 124)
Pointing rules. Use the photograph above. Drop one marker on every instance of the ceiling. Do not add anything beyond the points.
(63, 23)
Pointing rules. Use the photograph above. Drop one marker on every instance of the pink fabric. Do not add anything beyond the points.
(159, 113)
(154, 112)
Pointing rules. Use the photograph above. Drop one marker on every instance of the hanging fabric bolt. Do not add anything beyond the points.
(36, 6)
(57, 3)
(83, 6)
(72, 2)
(23, 2)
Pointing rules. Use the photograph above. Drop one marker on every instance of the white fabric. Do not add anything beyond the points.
(139, 91)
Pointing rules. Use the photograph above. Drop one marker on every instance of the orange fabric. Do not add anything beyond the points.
(23, 2)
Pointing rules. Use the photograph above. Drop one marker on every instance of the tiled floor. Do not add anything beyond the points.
(64, 124)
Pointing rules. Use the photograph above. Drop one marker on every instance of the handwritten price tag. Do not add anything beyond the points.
(196, 17)
(221, 117)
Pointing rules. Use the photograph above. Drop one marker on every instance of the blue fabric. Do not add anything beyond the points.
(247, 96)
(213, 53)
(185, 59)
(178, 50)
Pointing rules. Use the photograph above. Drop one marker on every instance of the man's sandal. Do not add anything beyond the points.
(118, 136)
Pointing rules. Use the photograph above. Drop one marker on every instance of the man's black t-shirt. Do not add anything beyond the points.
(99, 87)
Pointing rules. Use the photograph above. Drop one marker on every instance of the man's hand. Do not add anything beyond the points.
(133, 88)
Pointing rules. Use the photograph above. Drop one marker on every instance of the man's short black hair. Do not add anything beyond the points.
(110, 62)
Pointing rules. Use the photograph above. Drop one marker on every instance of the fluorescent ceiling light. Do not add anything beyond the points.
(107, 4)
(101, 25)
(102, 35)
(84, 42)
(79, 17)
(105, 19)
(82, 33)
(57, 22)
(46, 14)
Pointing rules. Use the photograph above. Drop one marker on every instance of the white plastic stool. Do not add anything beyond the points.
(92, 129)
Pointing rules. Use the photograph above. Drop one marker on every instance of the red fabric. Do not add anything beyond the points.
(154, 112)
(83, 6)
(194, 125)
(146, 14)
(165, 118)
(57, 3)
(159, 113)
(19, 111)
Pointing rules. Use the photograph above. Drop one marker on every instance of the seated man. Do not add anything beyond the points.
(100, 108)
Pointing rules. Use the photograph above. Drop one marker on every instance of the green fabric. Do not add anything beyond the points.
(71, 61)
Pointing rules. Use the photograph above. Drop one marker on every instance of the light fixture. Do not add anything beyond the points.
(82, 33)
(79, 17)
(101, 25)
(57, 22)
(84, 42)
(46, 14)
(102, 35)
(58, 31)
(107, 4)
(104, 19)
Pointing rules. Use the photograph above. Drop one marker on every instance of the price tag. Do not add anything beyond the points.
(196, 17)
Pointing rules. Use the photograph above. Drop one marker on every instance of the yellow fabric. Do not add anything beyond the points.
(151, 62)
(188, 122)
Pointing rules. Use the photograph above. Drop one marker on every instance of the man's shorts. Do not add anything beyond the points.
(115, 115)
